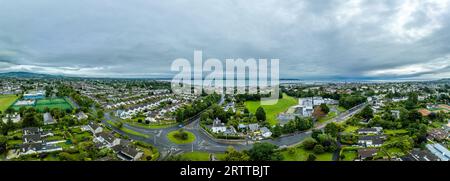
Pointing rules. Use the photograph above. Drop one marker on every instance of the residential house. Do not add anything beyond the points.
(265, 132)
(218, 126)
(32, 138)
(31, 130)
(94, 128)
(126, 151)
(34, 148)
(395, 114)
(48, 119)
(230, 130)
(367, 153)
(371, 141)
(438, 134)
(420, 155)
(253, 127)
(81, 115)
(15, 118)
(373, 130)
(107, 139)
(242, 126)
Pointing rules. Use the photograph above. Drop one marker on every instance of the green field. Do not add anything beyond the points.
(272, 111)
(328, 117)
(396, 132)
(129, 131)
(349, 154)
(50, 103)
(172, 138)
(350, 129)
(301, 154)
(6, 101)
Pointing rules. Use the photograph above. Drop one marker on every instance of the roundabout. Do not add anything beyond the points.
(181, 136)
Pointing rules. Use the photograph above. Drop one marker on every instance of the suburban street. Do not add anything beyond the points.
(203, 142)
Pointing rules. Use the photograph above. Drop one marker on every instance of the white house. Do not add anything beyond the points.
(94, 128)
(107, 139)
(265, 132)
(15, 118)
(396, 114)
(48, 119)
(218, 126)
(81, 115)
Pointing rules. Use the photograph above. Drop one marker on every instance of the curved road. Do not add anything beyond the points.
(203, 142)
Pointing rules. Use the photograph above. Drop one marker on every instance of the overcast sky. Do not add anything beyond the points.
(383, 39)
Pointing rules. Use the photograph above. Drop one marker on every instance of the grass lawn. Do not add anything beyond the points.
(395, 152)
(196, 156)
(151, 125)
(341, 109)
(436, 124)
(220, 156)
(395, 132)
(172, 138)
(82, 136)
(272, 111)
(350, 155)
(328, 117)
(351, 129)
(14, 142)
(148, 154)
(301, 154)
(6, 101)
(129, 131)
(54, 138)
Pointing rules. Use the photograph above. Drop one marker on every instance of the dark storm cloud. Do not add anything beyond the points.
(312, 39)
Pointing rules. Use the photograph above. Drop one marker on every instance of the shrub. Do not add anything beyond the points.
(318, 149)
(181, 135)
(311, 157)
(309, 143)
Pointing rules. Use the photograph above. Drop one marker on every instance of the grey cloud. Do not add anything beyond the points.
(312, 39)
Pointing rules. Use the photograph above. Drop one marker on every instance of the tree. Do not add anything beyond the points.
(260, 114)
(413, 100)
(303, 123)
(311, 157)
(366, 113)
(119, 125)
(180, 115)
(277, 131)
(309, 143)
(100, 114)
(332, 129)
(233, 155)
(319, 149)
(264, 152)
(246, 111)
(324, 108)
(204, 116)
(315, 133)
(3, 141)
(30, 120)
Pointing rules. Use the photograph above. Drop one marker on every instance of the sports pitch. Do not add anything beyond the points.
(6, 101)
(51, 103)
